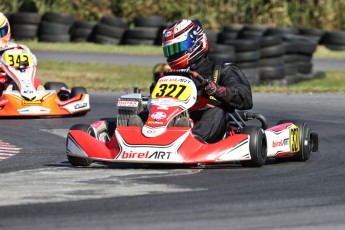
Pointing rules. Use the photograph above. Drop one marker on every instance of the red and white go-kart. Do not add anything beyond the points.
(159, 141)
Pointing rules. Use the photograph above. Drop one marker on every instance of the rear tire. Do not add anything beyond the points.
(80, 161)
(77, 90)
(304, 137)
(257, 146)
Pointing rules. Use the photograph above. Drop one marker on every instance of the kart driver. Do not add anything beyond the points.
(185, 46)
(6, 44)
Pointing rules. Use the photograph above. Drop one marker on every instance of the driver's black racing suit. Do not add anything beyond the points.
(210, 122)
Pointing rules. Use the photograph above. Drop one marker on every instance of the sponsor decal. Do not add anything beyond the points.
(157, 155)
(165, 79)
(280, 143)
(128, 103)
(29, 103)
(155, 123)
(80, 105)
(158, 115)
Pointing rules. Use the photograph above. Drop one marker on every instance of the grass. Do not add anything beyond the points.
(94, 76)
(321, 52)
(93, 47)
(97, 77)
(333, 82)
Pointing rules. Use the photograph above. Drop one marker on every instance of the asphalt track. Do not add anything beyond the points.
(40, 190)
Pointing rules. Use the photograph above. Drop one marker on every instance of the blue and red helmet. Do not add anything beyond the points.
(184, 42)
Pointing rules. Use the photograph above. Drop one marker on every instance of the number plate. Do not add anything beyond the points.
(294, 139)
(14, 57)
(180, 91)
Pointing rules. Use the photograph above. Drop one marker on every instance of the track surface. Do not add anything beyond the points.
(40, 190)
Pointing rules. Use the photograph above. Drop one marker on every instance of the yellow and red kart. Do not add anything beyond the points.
(22, 94)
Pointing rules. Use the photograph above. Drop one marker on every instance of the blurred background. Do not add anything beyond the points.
(273, 41)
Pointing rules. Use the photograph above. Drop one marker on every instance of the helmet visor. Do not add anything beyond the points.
(178, 47)
(4, 31)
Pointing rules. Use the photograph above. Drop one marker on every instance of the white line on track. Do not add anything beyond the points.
(73, 184)
(7, 150)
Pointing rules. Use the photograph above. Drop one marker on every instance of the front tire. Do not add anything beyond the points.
(257, 146)
(80, 161)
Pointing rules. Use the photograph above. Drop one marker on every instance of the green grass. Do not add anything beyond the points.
(321, 52)
(333, 82)
(94, 76)
(122, 77)
(93, 47)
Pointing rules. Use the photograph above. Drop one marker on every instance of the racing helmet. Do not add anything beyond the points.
(184, 42)
(5, 30)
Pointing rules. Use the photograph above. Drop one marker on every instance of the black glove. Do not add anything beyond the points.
(215, 90)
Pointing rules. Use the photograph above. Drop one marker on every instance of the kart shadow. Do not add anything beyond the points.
(112, 165)
(117, 165)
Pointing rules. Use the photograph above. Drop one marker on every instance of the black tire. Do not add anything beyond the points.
(212, 36)
(114, 21)
(101, 39)
(290, 58)
(272, 51)
(271, 40)
(55, 86)
(109, 31)
(233, 27)
(58, 18)
(304, 67)
(291, 47)
(250, 72)
(275, 61)
(47, 27)
(225, 36)
(55, 38)
(248, 56)
(111, 125)
(141, 33)
(304, 136)
(25, 18)
(304, 45)
(282, 30)
(290, 69)
(149, 21)
(271, 73)
(243, 45)
(81, 33)
(134, 41)
(77, 90)
(22, 31)
(257, 146)
(334, 37)
(84, 24)
(334, 47)
(79, 161)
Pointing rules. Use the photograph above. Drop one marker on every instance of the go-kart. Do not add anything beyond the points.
(160, 141)
(22, 94)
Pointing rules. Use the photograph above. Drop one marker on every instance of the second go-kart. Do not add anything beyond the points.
(24, 96)
(161, 141)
